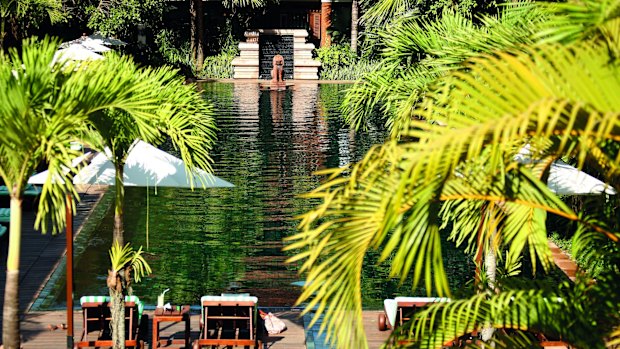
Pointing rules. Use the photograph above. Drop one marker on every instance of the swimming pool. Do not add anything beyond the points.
(230, 239)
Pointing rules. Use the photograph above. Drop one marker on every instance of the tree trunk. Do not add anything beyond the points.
(119, 206)
(490, 263)
(197, 32)
(10, 313)
(354, 22)
(2, 32)
(117, 310)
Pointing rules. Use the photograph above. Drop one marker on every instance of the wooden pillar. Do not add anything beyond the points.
(326, 22)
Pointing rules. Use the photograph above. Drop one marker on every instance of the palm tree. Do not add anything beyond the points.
(452, 158)
(123, 260)
(197, 28)
(184, 117)
(354, 24)
(43, 109)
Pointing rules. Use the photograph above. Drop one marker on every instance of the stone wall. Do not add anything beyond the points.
(247, 65)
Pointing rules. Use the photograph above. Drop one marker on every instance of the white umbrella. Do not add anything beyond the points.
(146, 166)
(95, 45)
(76, 53)
(105, 40)
(565, 179)
(41, 177)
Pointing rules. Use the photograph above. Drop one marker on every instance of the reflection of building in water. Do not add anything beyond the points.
(310, 127)
(246, 96)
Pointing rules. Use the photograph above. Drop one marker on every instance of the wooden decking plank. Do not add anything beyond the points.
(37, 335)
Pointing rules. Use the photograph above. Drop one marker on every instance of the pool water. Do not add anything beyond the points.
(230, 239)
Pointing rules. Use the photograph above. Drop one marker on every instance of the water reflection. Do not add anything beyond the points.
(221, 239)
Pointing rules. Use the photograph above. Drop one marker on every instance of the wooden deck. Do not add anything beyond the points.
(38, 330)
(40, 254)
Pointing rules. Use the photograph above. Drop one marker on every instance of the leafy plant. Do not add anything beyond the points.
(338, 62)
(220, 65)
(124, 260)
(477, 95)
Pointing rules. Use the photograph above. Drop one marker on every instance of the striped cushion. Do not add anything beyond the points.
(391, 305)
(229, 298)
(103, 299)
(29, 190)
(226, 298)
(421, 299)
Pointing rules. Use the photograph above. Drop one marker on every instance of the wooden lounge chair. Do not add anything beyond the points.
(96, 318)
(229, 320)
(5, 215)
(29, 190)
(401, 309)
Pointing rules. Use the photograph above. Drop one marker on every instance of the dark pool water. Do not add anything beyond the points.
(220, 240)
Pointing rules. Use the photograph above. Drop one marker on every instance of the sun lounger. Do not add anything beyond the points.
(96, 318)
(30, 190)
(3, 230)
(400, 309)
(229, 320)
(5, 215)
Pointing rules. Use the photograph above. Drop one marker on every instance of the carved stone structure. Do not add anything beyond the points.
(248, 64)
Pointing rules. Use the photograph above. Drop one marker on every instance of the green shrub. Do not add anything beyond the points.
(220, 65)
(340, 63)
(173, 51)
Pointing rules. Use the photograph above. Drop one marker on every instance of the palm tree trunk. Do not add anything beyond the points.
(10, 318)
(197, 32)
(117, 311)
(490, 264)
(354, 22)
(119, 206)
(2, 32)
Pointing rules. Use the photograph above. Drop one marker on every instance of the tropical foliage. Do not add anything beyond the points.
(121, 18)
(339, 62)
(45, 106)
(124, 262)
(20, 14)
(183, 116)
(462, 99)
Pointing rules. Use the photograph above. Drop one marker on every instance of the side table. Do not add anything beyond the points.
(175, 314)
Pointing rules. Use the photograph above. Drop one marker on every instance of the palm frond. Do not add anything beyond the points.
(417, 52)
(125, 256)
(391, 200)
(583, 19)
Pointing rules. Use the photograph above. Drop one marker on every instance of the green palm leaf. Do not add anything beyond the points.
(391, 201)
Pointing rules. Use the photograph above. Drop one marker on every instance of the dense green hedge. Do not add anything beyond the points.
(340, 63)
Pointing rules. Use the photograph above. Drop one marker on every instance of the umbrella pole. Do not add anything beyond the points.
(69, 233)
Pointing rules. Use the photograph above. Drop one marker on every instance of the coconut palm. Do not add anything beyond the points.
(43, 107)
(124, 260)
(453, 149)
